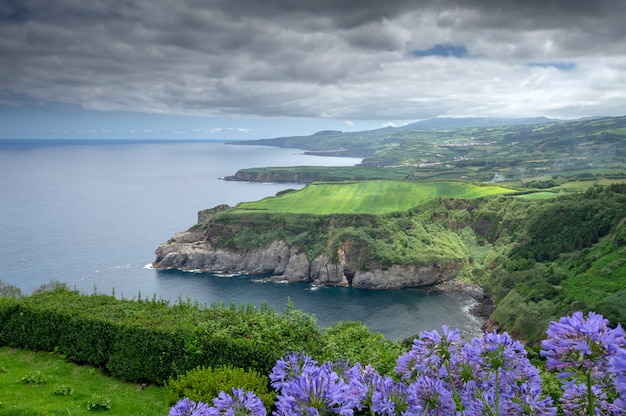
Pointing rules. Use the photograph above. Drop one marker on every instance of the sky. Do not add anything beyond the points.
(249, 69)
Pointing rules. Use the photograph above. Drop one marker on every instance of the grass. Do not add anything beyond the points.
(538, 195)
(43, 384)
(367, 197)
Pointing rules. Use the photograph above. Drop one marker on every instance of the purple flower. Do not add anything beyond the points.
(504, 381)
(591, 359)
(389, 397)
(291, 366)
(575, 400)
(239, 404)
(429, 396)
(617, 365)
(187, 407)
(576, 345)
(361, 382)
(317, 390)
(432, 355)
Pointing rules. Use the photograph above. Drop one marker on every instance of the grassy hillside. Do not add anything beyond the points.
(368, 197)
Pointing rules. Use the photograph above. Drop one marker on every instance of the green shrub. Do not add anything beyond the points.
(63, 390)
(354, 341)
(99, 402)
(34, 377)
(205, 383)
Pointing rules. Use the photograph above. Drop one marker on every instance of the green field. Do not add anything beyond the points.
(367, 197)
(43, 383)
(538, 195)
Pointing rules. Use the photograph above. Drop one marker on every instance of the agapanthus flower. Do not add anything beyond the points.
(429, 396)
(316, 391)
(590, 358)
(431, 354)
(504, 382)
(389, 397)
(240, 403)
(187, 407)
(575, 400)
(530, 401)
(577, 344)
(361, 382)
(617, 366)
(292, 365)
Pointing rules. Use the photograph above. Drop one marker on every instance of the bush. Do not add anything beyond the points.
(354, 340)
(205, 383)
(7, 290)
(99, 402)
(34, 377)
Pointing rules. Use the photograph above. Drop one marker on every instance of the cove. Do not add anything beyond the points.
(91, 214)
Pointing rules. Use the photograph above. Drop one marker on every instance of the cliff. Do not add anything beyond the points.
(191, 250)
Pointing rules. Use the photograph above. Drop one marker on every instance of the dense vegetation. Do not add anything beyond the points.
(149, 340)
(539, 258)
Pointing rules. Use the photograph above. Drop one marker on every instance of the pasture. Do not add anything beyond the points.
(366, 197)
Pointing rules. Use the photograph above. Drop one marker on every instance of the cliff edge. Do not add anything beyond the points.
(190, 251)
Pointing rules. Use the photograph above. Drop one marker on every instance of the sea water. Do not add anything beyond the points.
(91, 213)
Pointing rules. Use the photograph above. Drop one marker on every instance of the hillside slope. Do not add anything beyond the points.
(525, 252)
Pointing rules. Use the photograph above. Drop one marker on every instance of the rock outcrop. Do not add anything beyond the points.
(191, 251)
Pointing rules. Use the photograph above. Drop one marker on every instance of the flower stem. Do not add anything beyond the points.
(457, 398)
(592, 405)
(497, 412)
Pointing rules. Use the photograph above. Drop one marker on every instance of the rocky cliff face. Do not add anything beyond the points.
(191, 251)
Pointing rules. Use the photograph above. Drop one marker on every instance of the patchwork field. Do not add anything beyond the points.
(367, 197)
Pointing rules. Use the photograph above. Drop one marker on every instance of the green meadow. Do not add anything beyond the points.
(367, 197)
(538, 195)
(44, 383)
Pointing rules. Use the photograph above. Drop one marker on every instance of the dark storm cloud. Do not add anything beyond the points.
(343, 59)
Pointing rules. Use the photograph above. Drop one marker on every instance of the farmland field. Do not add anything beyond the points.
(367, 197)
(538, 195)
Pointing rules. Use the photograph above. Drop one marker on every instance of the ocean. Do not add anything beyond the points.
(91, 213)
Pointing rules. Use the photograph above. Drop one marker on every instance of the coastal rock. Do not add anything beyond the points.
(297, 269)
(325, 273)
(397, 277)
(191, 251)
(474, 291)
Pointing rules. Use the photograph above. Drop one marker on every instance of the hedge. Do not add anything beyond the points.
(150, 340)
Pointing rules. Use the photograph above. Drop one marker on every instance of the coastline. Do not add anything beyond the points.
(484, 304)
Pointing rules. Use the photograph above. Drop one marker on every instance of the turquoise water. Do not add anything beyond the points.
(91, 214)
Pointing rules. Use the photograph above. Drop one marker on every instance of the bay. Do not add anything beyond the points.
(91, 214)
